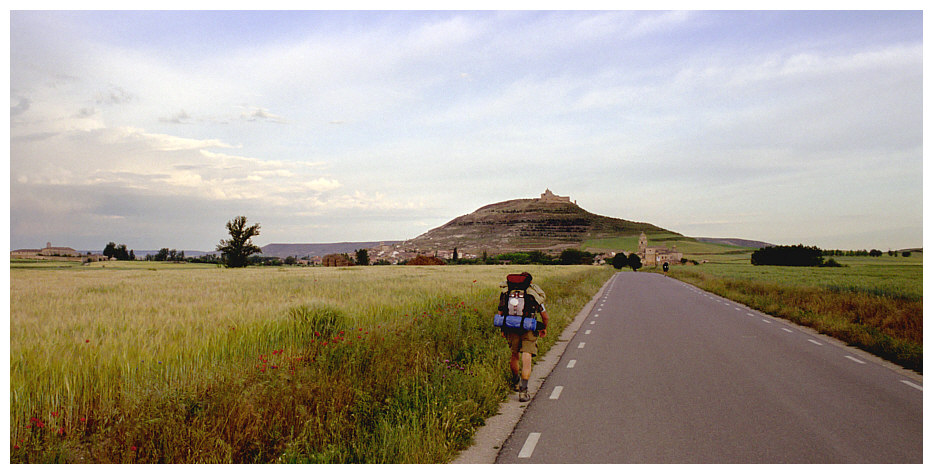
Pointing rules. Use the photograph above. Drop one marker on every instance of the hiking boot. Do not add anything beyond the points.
(516, 383)
(523, 395)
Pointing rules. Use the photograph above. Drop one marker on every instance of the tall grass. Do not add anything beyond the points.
(878, 308)
(176, 365)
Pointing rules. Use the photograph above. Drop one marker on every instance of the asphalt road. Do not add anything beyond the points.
(661, 372)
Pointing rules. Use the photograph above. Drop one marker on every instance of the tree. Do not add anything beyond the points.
(162, 255)
(236, 251)
(121, 253)
(575, 257)
(619, 261)
(362, 257)
(634, 261)
(118, 252)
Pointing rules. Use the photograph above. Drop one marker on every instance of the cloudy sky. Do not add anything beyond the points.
(154, 129)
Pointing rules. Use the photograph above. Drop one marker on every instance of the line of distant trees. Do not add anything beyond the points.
(864, 253)
(789, 255)
(166, 255)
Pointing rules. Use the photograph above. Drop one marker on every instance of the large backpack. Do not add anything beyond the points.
(518, 306)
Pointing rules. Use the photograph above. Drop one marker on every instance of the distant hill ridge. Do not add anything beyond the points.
(319, 250)
(736, 242)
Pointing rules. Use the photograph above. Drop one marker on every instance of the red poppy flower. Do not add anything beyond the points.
(87, 340)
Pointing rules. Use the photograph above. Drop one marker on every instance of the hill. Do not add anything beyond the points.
(550, 224)
(734, 242)
(318, 250)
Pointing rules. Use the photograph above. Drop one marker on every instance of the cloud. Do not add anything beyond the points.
(22, 105)
(115, 96)
(179, 117)
(253, 113)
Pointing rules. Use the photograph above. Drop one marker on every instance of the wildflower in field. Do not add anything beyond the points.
(82, 419)
(40, 424)
(132, 448)
(54, 414)
(87, 340)
(61, 431)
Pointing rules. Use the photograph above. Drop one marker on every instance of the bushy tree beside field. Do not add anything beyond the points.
(236, 250)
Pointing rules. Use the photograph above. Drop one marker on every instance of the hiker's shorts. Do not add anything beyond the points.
(522, 342)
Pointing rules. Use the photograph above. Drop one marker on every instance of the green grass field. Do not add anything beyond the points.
(122, 362)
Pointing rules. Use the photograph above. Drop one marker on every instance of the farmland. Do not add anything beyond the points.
(181, 363)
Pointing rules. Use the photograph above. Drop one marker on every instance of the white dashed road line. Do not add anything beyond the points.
(572, 363)
(815, 342)
(786, 330)
(529, 447)
(910, 384)
(588, 331)
(853, 359)
(581, 345)
(555, 394)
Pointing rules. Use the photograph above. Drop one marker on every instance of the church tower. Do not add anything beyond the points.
(642, 243)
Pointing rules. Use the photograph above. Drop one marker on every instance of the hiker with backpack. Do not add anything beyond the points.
(518, 302)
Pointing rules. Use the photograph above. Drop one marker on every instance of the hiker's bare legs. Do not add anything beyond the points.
(526, 365)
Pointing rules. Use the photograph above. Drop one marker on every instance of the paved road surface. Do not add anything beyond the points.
(661, 372)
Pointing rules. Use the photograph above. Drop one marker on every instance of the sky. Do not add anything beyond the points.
(156, 128)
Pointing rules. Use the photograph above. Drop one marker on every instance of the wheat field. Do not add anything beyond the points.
(102, 358)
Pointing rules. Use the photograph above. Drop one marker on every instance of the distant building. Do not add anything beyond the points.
(548, 196)
(48, 251)
(656, 255)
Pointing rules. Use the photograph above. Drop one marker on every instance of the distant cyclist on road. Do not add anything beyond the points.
(519, 301)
